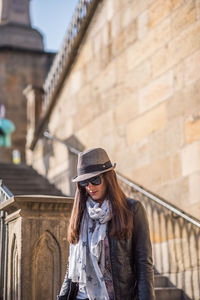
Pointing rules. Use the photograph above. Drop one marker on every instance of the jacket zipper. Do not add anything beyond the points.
(111, 265)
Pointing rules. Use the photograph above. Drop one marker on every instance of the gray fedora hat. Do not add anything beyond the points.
(91, 163)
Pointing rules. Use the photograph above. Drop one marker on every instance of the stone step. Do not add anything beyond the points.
(161, 281)
(33, 184)
(24, 180)
(168, 293)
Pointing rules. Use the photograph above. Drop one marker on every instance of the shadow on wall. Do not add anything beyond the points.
(47, 153)
(64, 178)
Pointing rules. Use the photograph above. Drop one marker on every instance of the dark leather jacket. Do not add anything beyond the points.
(131, 262)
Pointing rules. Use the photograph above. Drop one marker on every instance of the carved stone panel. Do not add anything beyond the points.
(46, 264)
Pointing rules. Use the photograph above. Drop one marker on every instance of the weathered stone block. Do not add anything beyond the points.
(158, 11)
(157, 91)
(197, 9)
(184, 102)
(176, 50)
(125, 37)
(115, 25)
(175, 191)
(176, 3)
(86, 115)
(192, 129)
(146, 124)
(83, 97)
(137, 7)
(190, 158)
(149, 45)
(178, 76)
(126, 16)
(167, 141)
(121, 68)
(126, 110)
(86, 54)
(76, 81)
(142, 25)
(176, 165)
(110, 98)
(109, 9)
(191, 66)
(183, 17)
(98, 20)
(92, 69)
(106, 79)
(103, 124)
(191, 98)
(154, 174)
(194, 187)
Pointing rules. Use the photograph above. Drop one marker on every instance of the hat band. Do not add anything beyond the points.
(94, 168)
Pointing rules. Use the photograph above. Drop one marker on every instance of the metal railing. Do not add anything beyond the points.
(5, 193)
(49, 136)
(83, 11)
(175, 238)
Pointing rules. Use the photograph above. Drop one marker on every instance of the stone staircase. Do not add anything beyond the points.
(24, 180)
(164, 291)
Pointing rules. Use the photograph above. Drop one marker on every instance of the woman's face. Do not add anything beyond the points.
(97, 192)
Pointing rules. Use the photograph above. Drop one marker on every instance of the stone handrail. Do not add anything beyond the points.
(83, 11)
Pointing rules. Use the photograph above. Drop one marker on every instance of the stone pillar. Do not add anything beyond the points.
(37, 245)
(34, 96)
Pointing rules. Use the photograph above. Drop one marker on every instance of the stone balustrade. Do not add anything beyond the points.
(36, 252)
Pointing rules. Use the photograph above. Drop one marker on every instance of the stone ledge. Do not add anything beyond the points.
(37, 204)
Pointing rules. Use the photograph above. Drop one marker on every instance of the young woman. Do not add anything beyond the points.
(110, 255)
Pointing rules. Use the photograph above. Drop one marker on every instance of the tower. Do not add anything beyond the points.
(15, 25)
(23, 62)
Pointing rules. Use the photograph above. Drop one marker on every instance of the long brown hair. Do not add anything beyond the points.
(122, 217)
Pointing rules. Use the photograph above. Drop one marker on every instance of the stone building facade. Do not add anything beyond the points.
(133, 88)
(23, 61)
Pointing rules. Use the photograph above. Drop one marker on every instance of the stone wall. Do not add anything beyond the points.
(18, 68)
(134, 90)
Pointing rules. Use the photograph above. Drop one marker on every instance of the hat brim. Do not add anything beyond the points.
(93, 174)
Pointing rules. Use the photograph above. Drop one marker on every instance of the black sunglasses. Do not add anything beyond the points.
(94, 181)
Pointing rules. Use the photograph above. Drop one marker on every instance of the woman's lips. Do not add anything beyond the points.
(93, 193)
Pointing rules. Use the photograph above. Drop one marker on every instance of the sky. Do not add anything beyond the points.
(52, 18)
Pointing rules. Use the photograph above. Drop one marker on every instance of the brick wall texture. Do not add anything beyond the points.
(134, 89)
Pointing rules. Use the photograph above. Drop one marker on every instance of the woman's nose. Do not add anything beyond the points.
(90, 185)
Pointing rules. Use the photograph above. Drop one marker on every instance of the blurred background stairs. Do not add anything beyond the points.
(24, 180)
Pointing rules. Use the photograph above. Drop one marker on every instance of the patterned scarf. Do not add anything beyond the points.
(87, 257)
